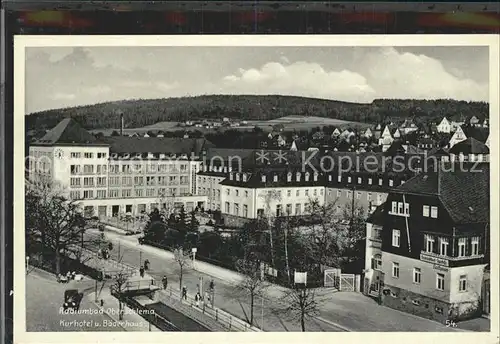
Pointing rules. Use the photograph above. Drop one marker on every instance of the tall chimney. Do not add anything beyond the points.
(121, 124)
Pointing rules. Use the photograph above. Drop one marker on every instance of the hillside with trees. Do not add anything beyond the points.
(142, 112)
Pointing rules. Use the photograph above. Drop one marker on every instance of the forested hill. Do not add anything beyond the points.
(139, 113)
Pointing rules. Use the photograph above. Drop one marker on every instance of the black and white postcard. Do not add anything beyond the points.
(321, 185)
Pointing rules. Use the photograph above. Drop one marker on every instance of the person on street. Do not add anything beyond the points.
(212, 285)
(141, 271)
(165, 282)
(184, 293)
(146, 264)
(197, 299)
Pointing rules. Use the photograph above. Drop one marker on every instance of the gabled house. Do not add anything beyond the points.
(396, 133)
(408, 126)
(433, 237)
(470, 150)
(293, 147)
(368, 133)
(457, 137)
(386, 139)
(474, 121)
(444, 126)
(347, 134)
(336, 133)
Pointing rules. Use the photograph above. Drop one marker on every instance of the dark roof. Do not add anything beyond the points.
(68, 131)
(212, 174)
(254, 179)
(437, 151)
(378, 216)
(480, 134)
(156, 145)
(470, 146)
(463, 189)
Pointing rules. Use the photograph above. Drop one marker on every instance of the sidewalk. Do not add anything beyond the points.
(340, 311)
(131, 320)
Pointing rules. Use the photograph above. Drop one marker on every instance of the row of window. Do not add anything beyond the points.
(150, 168)
(440, 278)
(116, 193)
(289, 177)
(443, 244)
(288, 192)
(212, 192)
(400, 208)
(260, 212)
(360, 180)
(348, 194)
(78, 155)
(88, 169)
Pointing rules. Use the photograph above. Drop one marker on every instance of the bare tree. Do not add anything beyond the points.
(301, 304)
(269, 197)
(333, 236)
(119, 282)
(252, 281)
(183, 259)
(323, 233)
(55, 222)
(166, 205)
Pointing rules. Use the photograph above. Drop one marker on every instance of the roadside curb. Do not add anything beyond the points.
(334, 324)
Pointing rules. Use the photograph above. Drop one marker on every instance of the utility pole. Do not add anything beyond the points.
(140, 258)
(286, 247)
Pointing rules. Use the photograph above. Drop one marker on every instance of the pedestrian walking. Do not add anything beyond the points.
(212, 285)
(197, 298)
(184, 293)
(165, 282)
(141, 271)
(207, 297)
(146, 264)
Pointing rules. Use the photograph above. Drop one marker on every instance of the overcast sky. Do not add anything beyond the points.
(61, 77)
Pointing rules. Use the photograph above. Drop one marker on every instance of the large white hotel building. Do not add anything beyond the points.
(118, 175)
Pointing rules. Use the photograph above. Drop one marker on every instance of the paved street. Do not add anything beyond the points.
(44, 297)
(341, 310)
(227, 296)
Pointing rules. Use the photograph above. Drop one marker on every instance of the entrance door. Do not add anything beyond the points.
(115, 210)
(101, 211)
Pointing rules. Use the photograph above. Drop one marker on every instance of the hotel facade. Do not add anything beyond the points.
(118, 175)
(427, 248)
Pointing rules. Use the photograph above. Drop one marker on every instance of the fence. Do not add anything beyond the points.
(153, 318)
(227, 320)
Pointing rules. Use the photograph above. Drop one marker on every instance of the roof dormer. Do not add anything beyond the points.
(263, 178)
